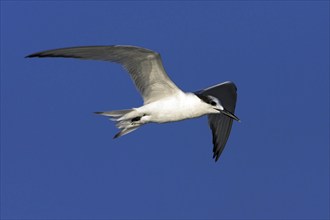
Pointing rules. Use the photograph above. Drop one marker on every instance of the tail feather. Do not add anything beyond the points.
(125, 131)
(115, 114)
(123, 124)
(123, 120)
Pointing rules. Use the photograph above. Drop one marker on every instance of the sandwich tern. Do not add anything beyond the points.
(163, 100)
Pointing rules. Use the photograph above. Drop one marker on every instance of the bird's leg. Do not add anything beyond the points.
(137, 120)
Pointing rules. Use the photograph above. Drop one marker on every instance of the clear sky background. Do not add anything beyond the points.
(59, 161)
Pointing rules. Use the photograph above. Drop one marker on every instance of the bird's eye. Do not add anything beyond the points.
(213, 103)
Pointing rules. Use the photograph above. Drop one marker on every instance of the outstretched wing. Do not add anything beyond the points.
(145, 66)
(221, 124)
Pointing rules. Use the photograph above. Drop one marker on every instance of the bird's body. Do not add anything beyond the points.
(163, 100)
(175, 108)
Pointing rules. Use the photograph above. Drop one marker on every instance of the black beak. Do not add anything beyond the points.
(229, 114)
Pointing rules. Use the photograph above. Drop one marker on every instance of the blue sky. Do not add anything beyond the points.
(59, 161)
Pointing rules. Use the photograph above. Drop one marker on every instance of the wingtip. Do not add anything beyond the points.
(216, 156)
(38, 54)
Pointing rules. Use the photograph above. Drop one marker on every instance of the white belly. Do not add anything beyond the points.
(174, 109)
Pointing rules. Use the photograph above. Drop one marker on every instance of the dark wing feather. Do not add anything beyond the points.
(221, 124)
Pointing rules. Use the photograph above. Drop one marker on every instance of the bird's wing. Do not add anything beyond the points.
(145, 66)
(221, 124)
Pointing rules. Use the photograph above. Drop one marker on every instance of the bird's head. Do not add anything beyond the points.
(214, 106)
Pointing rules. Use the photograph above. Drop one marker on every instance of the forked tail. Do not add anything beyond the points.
(126, 120)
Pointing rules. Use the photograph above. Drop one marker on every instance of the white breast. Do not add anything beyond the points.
(175, 108)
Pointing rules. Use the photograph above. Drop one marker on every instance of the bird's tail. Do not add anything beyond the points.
(124, 120)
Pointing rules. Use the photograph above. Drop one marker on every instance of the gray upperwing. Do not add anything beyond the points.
(221, 124)
(145, 66)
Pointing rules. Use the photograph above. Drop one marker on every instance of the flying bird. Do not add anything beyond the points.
(163, 100)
